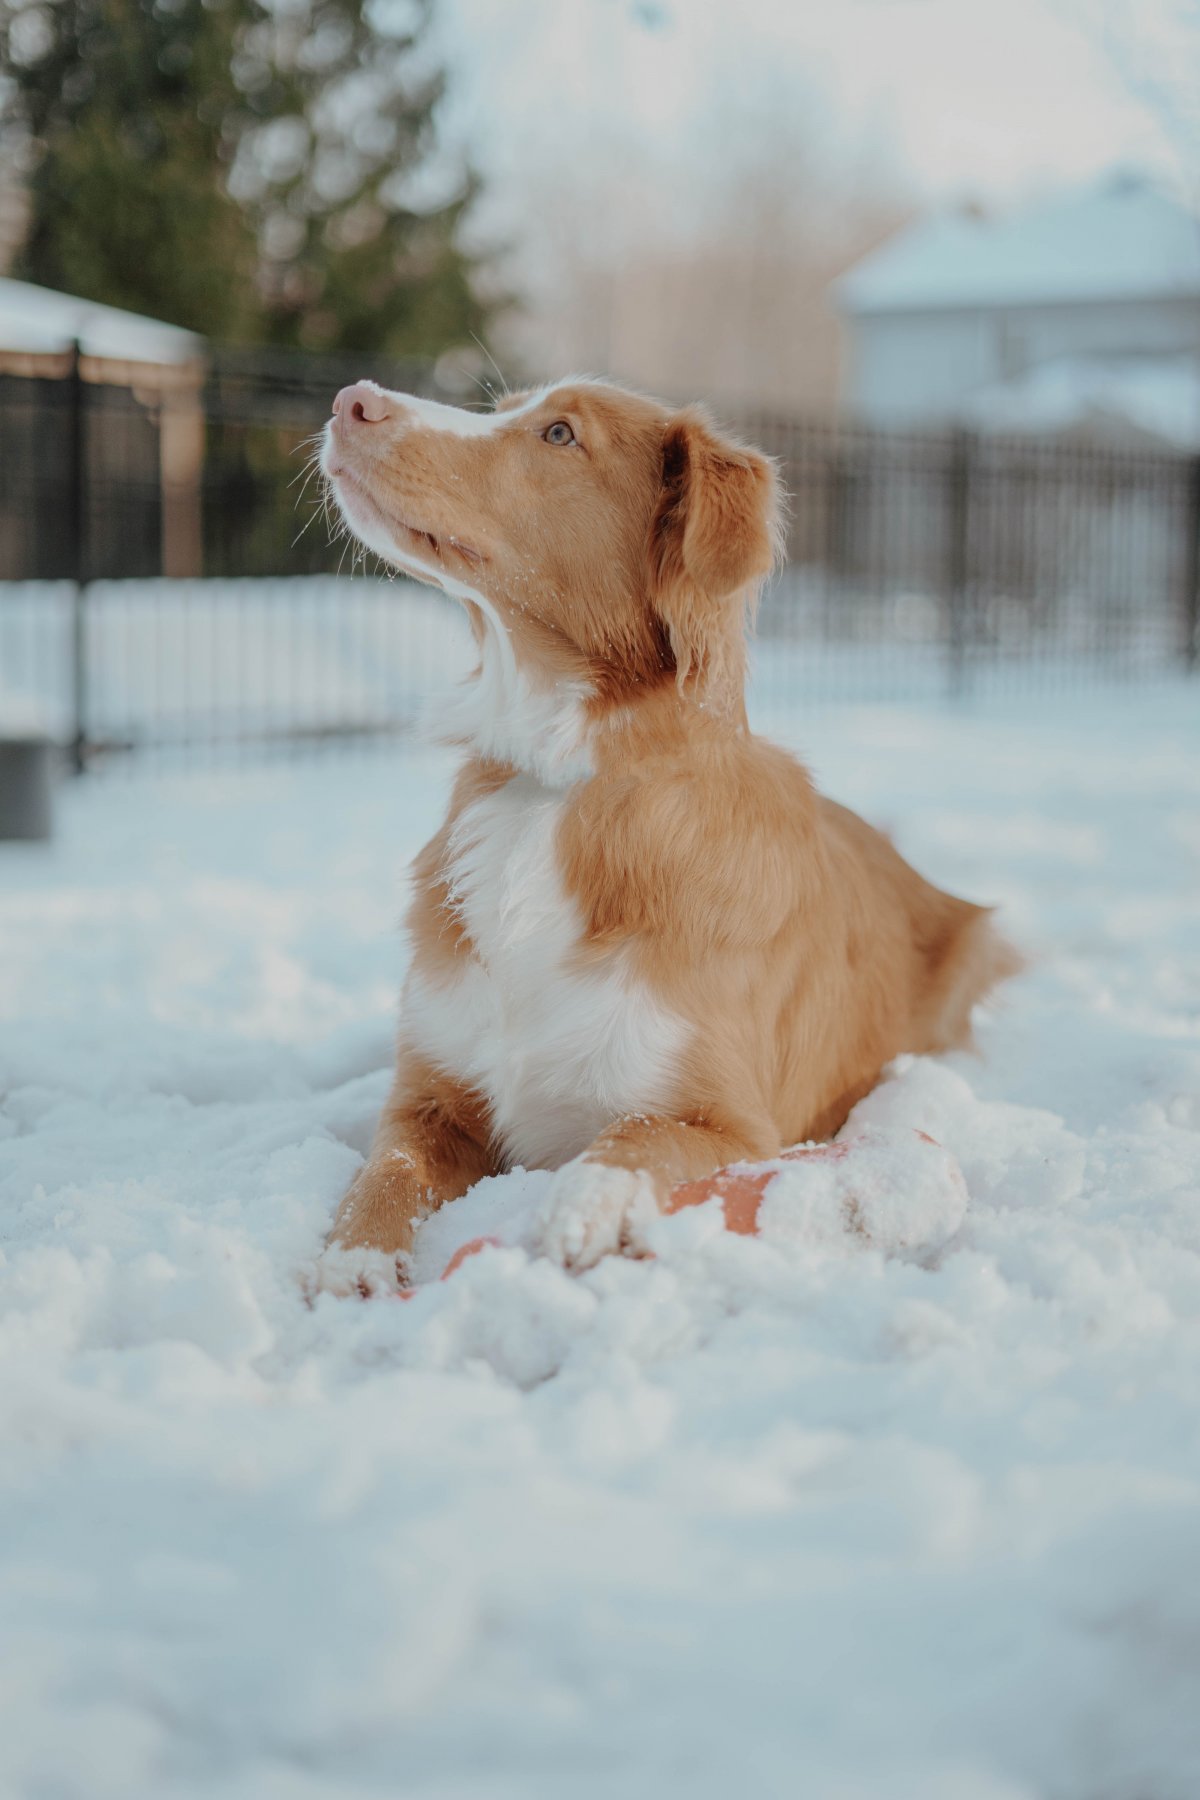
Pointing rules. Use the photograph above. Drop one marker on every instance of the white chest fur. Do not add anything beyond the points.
(558, 1051)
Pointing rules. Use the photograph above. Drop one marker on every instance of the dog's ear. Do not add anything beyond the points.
(716, 535)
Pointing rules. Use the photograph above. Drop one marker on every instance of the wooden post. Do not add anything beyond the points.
(181, 470)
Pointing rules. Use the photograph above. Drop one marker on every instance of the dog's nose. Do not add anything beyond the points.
(361, 404)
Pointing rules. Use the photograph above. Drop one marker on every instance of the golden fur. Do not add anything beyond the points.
(797, 948)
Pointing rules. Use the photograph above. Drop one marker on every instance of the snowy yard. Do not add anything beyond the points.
(758, 1517)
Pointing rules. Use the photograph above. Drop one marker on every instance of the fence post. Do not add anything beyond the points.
(958, 572)
(836, 559)
(76, 533)
(1191, 571)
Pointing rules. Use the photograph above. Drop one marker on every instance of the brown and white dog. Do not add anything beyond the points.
(643, 946)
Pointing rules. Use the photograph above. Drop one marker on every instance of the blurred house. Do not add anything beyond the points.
(1079, 315)
(141, 395)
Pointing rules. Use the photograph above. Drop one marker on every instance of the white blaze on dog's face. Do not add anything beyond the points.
(613, 541)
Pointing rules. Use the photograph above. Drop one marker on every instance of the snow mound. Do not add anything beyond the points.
(899, 1193)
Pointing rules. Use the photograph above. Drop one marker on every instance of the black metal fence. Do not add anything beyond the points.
(154, 527)
(119, 471)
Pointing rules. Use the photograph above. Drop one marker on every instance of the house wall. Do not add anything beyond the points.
(920, 367)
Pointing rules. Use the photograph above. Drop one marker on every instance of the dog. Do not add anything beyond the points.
(643, 946)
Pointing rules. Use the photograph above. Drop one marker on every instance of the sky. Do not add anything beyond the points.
(934, 99)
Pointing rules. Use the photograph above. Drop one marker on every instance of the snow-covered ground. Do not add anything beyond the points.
(761, 1516)
(217, 669)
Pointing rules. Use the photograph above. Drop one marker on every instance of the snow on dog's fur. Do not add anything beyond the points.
(643, 946)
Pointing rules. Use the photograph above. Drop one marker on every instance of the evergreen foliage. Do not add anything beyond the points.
(249, 170)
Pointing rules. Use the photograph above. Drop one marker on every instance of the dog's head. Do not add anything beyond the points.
(609, 538)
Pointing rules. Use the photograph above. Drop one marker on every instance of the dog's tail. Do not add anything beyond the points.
(965, 959)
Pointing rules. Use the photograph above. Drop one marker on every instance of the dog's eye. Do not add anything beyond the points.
(559, 433)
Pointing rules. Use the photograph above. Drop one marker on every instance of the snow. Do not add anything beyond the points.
(238, 662)
(898, 1191)
(902, 1514)
(1119, 240)
(217, 670)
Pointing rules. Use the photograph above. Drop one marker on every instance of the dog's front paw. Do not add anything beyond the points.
(593, 1210)
(354, 1271)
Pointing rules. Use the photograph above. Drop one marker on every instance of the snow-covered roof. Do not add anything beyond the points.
(40, 319)
(1121, 241)
(1157, 398)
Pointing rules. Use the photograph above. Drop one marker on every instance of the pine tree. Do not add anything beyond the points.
(246, 169)
(351, 259)
(125, 109)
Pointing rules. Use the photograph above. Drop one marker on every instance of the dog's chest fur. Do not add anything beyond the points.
(558, 1048)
